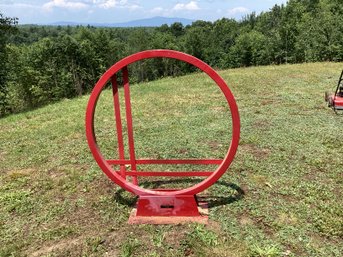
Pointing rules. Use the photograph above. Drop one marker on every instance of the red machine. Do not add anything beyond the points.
(154, 206)
(335, 101)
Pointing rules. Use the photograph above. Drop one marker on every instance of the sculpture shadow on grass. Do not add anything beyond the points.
(223, 193)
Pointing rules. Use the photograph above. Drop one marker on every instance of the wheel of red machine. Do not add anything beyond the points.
(107, 169)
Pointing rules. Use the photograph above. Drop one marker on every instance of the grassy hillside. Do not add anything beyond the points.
(282, 195)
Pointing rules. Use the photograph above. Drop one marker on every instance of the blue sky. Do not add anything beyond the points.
(108, 11)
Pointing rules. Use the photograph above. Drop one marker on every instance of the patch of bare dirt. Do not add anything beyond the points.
(245, 220)
(219, 109)
(267, 102)
(287, 197)
(214, 145)
(2, 156)
(215, 226)
(21, 172)
(267, 228)
(62, 245)
(183, 151)
(175, 236)
(287, 219)
(259, 153)
(260, 124)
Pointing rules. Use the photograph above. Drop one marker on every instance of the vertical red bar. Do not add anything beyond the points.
(129, 123)
(118, 123)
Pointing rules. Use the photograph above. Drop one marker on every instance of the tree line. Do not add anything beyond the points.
(42, 64)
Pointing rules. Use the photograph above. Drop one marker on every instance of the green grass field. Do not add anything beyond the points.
(282, 195)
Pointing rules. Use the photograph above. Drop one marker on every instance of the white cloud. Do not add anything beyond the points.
(191, 6)
(6, 2)
(133, 7)
(107, 4)
(238, 10)
(157, 10)
(18, 5)
(64, 4)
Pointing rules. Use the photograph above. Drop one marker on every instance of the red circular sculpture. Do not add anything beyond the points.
(119, 178)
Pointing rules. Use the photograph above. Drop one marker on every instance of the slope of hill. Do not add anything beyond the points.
(148, 22)
(280, 197)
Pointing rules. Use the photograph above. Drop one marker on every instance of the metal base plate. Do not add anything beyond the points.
(169, 210)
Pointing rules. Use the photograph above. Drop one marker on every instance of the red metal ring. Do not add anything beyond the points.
(182, 57)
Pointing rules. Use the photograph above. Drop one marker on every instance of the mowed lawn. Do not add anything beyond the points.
(282, 195)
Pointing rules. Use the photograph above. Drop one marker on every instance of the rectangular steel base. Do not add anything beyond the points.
(169, 210)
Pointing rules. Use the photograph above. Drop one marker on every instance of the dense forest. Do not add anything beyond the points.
(42, 64)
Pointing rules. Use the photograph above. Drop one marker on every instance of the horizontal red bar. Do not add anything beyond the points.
(168, 173)
(167, 161)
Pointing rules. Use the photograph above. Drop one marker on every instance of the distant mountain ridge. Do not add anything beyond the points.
(149, 22)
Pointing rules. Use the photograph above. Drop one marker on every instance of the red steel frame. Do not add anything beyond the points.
(120, 177)
(336, 100)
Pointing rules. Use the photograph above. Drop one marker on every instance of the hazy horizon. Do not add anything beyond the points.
(119, 11)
